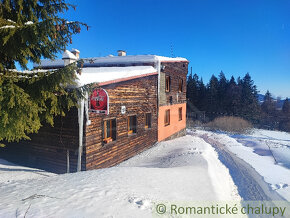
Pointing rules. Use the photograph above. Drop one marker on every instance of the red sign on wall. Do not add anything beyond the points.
(99, 101)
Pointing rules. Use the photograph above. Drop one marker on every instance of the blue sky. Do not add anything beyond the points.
(235, 36)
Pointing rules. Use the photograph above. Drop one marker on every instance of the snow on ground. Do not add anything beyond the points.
(277, 143)
(10, 172)
(268, 152)
(184, 169)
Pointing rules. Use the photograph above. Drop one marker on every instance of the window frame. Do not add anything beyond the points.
(113, 133)
(167, 117)
(167, 83)
(148, 125)
(179, 113)
(133, 131)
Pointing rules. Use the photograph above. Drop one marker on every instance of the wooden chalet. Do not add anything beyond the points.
(141, 101)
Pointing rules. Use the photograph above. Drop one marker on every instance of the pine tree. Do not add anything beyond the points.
(232, 97)
(202, 95)
(212, 96)
(286, 107)
(192, 92)
(249, 108)
(269, 113)
(285, 121)
(31, 30)
(189, 88)
(222, 87)
(268, 106)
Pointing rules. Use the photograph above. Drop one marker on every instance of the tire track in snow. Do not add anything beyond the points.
(251, 185)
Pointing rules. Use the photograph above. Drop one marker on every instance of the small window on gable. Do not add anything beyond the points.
(167, 118)
(147, 120)
(180, 85)
(109, 130)
(180, 113)
(167, 84)
(132, 124)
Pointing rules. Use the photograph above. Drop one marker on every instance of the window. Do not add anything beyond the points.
(180, 113)
(132, 124)
(167, 118)
(109, 133)
(167, 80)
(147, 120)
(180, 85)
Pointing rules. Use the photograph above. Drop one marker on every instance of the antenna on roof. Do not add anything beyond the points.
(171, 50)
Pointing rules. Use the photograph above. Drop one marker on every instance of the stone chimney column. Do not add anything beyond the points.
(68, 57)
(121, 53)
(76, 53)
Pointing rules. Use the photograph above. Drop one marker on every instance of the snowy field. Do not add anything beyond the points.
(10, 173)
(184, 169)
(268, 152)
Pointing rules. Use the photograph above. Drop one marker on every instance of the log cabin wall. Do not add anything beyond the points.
(48, 148)
(139, 96)
(176, 71)
(172, 100)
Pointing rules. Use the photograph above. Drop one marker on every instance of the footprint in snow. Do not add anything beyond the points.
(279, 186)
(140, 203)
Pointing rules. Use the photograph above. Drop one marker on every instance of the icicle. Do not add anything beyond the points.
(81, 129)
(87, 109)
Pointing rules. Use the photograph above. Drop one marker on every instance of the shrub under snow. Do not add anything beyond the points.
(230, 124)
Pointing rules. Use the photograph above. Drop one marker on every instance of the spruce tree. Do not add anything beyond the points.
(269, 114)
(201, 96)
(29, 31)
(250, 108)
(268, 106)
(222, 87)
(192, 92)
(232, 97)
(195, 93)
(286, 107)
(285, 119)
(212, 97)
(189, 88)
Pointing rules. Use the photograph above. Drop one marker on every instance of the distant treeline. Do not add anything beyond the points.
(235, 97)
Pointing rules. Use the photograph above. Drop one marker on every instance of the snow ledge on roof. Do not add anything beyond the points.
(107, 75)
(110, 60)
(132, 59)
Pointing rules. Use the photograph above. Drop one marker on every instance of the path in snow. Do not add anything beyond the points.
(185, 169)
(268, 143)
(251, 185)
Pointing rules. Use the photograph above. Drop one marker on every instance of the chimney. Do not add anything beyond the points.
(121, 53)
(68, 57)
(76, 53)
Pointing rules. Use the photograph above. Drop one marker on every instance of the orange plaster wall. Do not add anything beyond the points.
(175, 124)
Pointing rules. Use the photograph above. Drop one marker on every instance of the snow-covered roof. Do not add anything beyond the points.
(111, 60)
(132, 59)
(108, 75)
(50, 63)
(105, 75)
